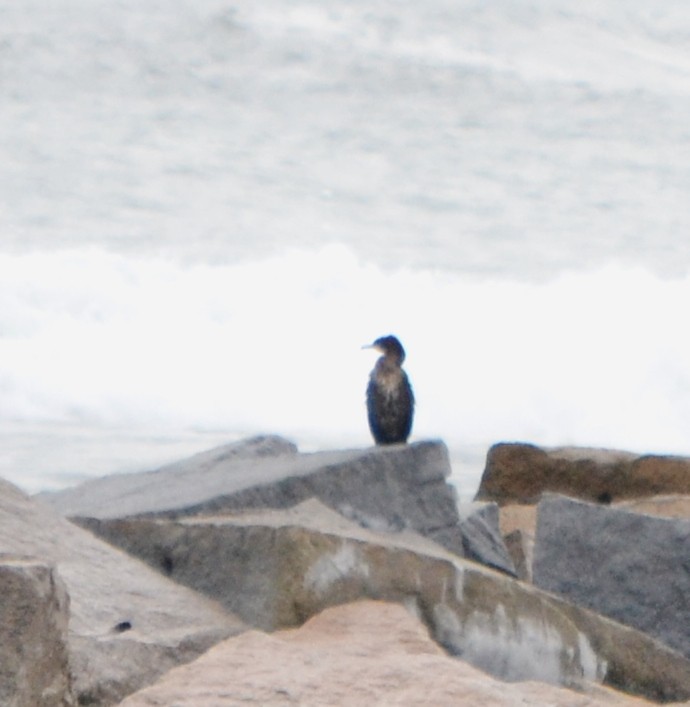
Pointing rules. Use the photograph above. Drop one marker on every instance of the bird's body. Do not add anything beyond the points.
(390, 401)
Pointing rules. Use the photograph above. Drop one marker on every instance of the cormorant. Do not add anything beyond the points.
(390, 401)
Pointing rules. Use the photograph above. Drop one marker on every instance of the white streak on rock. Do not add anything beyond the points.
(328, 569)
(594, 668)
(518, 649)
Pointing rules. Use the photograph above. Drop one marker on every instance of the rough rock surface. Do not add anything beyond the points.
(481, 536)
(34, 612)
(396, 487)
(368, 653)
(629, 566)
(665, 506)
(517, 525)
(520, 473)
(127, 624)
(518, 517)
(520, 545)
(278, 568)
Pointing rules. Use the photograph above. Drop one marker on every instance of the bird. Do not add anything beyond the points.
(390, 400)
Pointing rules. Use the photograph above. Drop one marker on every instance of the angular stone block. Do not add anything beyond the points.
(481, 536)
(629, 566)
(34, 613)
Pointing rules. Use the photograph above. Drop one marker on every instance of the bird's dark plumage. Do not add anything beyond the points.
(390, 401)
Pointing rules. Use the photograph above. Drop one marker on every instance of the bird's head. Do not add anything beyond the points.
(389, 346)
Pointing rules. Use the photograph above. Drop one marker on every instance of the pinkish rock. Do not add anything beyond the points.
(664, 506)
(366, 653)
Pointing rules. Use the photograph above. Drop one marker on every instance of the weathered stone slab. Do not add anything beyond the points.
(520, 473)
(631, 567)
(278, 568)
(186, 486)
(396, 487)
(128, 624)
(481, 536)
(367, 653)
(34, 612)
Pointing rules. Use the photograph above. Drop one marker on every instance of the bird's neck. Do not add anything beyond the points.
(388, 376)
(388, 364)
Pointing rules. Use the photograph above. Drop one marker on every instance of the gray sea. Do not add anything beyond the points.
(207, 207)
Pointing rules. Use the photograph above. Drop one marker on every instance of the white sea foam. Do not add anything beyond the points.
(592, 358)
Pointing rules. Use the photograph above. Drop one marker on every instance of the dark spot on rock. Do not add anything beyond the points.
(605, 498)
(167, 564)
(122, 626)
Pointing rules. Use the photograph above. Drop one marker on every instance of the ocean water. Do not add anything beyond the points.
(206, 208)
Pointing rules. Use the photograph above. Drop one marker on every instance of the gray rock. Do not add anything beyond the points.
(259, 446)
(397, 487)
(481, 536)
(128, 624)
(34, 612)
(278, 568)
(182, 485)
(631, 567)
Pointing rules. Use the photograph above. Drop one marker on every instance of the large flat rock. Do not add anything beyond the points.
(34, 612)
(368, 653)
(396, 487)
(520, 473)
(128, 624)
(184, 487)
(279, 568)
(632, 567)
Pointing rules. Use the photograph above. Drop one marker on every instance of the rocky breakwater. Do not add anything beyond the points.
(278, 538)
(402, 487)
(127, 623)
(278, 568)
(632, 567)
(364, 653)
(614, 538)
